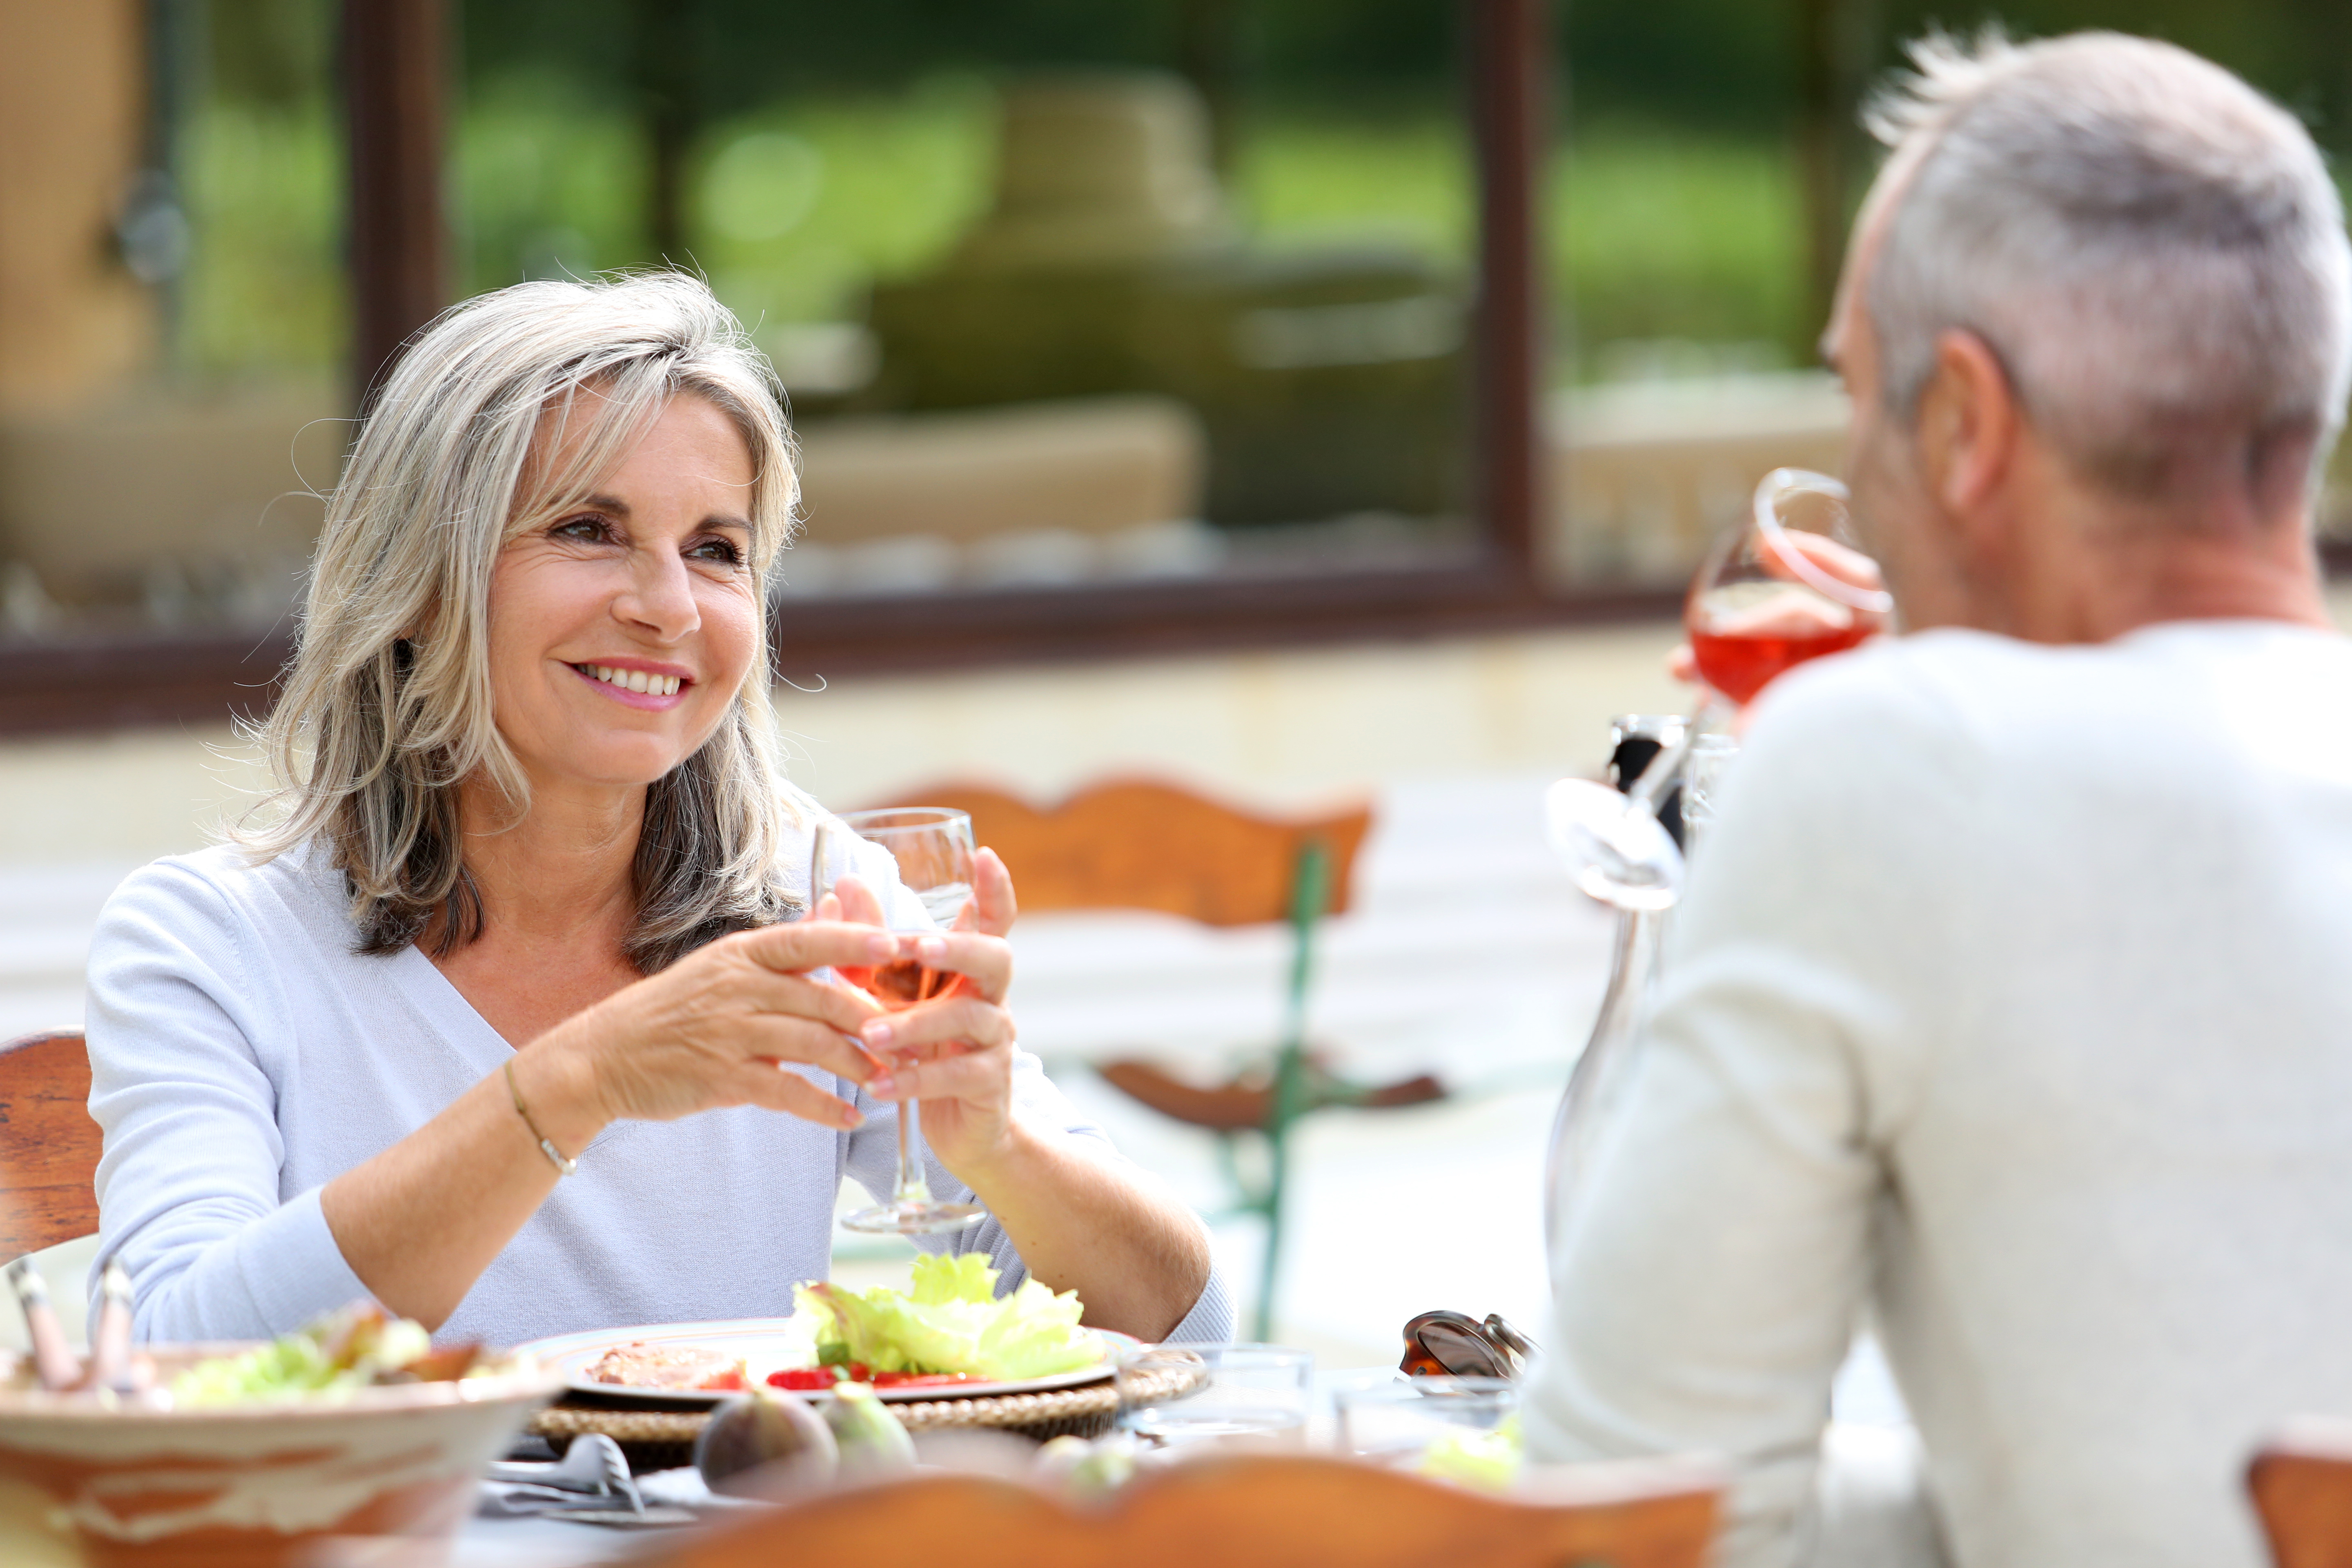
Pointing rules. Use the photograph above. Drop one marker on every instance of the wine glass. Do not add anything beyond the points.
(933, 846)
(1789, 583)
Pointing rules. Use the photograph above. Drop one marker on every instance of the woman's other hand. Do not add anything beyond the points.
(717, 1027)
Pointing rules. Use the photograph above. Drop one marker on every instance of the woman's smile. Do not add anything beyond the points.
(639, 683)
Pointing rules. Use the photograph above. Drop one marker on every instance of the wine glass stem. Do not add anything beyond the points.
(1614, 1038)
(914, 1187)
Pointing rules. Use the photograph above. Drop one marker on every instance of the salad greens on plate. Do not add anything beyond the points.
(330, 1358)
(951, 1319)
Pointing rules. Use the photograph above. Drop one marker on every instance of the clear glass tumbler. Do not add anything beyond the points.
(1398, 1421)
(1246, 1395)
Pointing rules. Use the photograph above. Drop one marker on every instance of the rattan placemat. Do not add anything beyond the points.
(1085, 1411)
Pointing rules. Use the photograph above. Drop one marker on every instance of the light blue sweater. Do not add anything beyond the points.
(242, 1054)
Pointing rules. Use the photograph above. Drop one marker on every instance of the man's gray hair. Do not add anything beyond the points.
(2153, 249)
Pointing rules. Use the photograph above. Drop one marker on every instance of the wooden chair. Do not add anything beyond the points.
(1262, 1513)
(48, 1144)
(2301, 1481)
(1138, 844)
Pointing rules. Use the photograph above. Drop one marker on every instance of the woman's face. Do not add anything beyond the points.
(620, 629)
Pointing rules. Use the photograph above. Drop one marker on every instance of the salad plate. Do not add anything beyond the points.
(771, 1344)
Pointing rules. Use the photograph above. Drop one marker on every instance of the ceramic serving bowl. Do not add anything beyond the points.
(258, 1486)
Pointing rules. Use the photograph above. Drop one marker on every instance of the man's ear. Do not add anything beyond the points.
(1968, 424)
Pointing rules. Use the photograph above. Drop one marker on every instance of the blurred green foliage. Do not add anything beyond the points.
(742, 55)
(1675, 233)
(796, 206)
(264, 289)
(832, 144)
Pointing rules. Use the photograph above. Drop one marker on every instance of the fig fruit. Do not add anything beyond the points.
(1084, 1471)
(872, 1444)
(762, 1444)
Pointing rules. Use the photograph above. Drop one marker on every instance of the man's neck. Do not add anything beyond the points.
(2127, 579)
(2078, 564)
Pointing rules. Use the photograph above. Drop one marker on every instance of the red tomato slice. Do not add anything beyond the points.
(819, 1378)
(804, 1377)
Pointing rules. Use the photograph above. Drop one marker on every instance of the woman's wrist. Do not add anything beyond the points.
(554, 1078)
(1016, 1160)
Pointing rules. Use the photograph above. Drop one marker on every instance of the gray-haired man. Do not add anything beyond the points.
(2011, 1001)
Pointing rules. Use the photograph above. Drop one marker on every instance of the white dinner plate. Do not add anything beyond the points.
(766, 1344)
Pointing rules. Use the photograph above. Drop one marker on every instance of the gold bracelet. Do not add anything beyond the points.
(564, 1167)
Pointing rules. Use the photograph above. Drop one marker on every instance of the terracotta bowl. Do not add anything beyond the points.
(254, 1486)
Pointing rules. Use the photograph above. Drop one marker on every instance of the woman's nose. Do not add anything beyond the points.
(660, 596)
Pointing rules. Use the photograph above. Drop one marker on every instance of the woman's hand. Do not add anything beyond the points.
(1135, 1254)
(715, 1028)
(954, 1053)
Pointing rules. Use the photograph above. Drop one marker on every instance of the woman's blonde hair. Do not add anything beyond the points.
(387, 701)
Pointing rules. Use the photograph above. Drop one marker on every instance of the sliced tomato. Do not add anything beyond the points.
(805, 1377)
(818, 1378)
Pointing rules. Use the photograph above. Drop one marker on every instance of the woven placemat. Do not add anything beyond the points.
(660, 1438)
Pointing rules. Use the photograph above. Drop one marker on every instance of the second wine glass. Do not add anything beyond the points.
(933, 848)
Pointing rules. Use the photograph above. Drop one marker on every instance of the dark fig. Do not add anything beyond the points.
(761, 1443)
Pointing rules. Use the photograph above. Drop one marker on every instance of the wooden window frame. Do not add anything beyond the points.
(394, 59)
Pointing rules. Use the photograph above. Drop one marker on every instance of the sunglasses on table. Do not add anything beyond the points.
(1455, 1344)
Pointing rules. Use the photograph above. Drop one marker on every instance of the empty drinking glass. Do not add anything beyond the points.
(1421, 1423)
(1240, 1395)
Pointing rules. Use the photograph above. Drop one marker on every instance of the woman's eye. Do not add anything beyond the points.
(591, 528)
(722, 551)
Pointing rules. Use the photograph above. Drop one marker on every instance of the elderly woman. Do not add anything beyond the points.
(533, 904)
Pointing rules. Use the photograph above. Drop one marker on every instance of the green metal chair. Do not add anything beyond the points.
(1299, 1086)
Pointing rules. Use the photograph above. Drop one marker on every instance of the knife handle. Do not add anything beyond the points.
(53, 1360)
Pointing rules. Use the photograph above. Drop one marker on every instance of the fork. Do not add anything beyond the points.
(593, 1466)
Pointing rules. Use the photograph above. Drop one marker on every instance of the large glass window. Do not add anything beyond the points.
(1105, 326)
(1063, 295)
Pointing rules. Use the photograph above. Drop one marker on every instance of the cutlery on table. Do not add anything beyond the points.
(110, 1364)
(593, 1467)
(54, 1361)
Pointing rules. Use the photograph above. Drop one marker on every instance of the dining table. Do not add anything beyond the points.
(490, 1541)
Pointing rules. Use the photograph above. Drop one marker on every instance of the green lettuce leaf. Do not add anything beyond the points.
(940, 1278)
(329, 1358)
(951, 1321)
